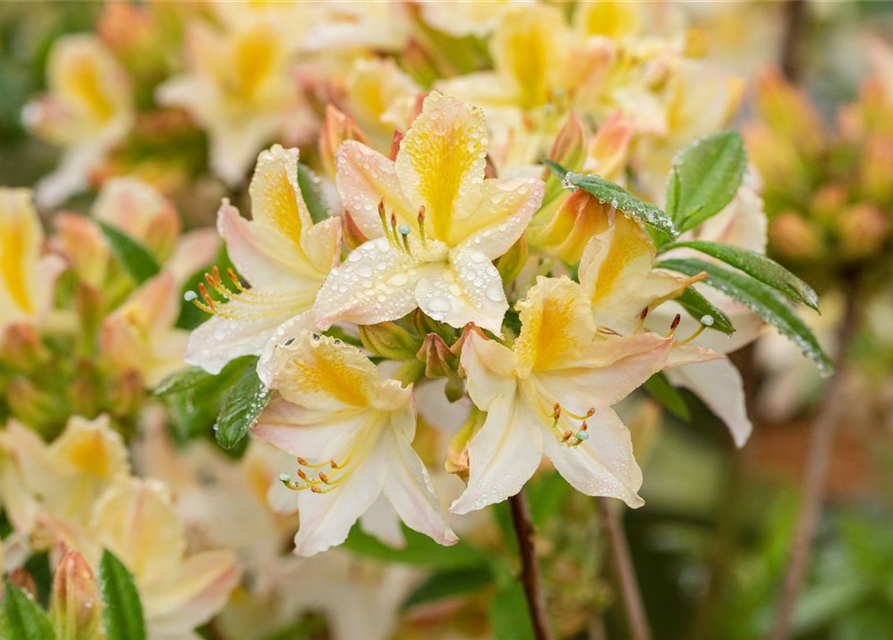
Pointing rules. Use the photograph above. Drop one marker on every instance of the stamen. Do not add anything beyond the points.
(673, 325)
(384, 221)
(697, 332)
(422, 233)
(404, 232)
(641, 324)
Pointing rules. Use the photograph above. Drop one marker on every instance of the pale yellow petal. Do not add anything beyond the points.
(441, 161)
(556, 323)
(20, 239)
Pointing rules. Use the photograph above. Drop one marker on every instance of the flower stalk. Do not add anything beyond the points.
(530, 572)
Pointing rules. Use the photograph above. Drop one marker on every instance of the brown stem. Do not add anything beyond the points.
(822, 439)
(530, 571)
(622, 564)
(795, 18)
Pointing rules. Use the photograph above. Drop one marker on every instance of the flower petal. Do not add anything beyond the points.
(604, 464)
(409, 489)
(606, 372)
(718, 384)
(364, 178)
(556, 323)
(376, 283)
(441, 161)
(503, 455)
(467, 289)
(304, 432)
(383, 522)
(326, 518)
(489, 369)
(500, 218)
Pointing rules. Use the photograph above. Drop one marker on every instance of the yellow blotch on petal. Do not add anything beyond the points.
(609, 18)
(442, 159)
(317, 369)
(20, 238)
(556, 323)
(257, 53)
(528, 47)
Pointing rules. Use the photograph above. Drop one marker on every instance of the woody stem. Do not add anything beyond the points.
(530, 572)
(622, 565)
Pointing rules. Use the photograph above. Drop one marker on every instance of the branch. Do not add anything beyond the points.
(623, 568)
(820, 446)
(530, 572)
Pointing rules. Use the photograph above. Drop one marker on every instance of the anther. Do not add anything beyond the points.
(324, 477)
(673, 325)
(422, 233)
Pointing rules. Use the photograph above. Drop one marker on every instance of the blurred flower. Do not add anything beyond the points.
(75, 607)
(447, 222)
(240, 90)
(87, 110)
(27, 278)
(282, 254)
(354, 432)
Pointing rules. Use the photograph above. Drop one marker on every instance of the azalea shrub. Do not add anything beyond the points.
(412, 319)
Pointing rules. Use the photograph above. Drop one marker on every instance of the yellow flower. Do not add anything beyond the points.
(27, 277)
(352, 433)
(436, 224)
(282, 254)
(89, 107)
(551, 394)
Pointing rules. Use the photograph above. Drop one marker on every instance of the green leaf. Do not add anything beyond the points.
(21, 618)
(698, 306)
(313, 195)
(659, 386)
(183, 380)
(705, 177)
(760, 299)
(449, 583)
(756, 265)
(508, 614)
(609, 193)
(139, 263)
(241, 409)
(123, 612)
(419, 550)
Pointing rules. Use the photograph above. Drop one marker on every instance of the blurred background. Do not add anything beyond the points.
(711, 544)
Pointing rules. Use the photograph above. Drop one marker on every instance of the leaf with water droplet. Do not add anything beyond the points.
(622, 200)
(241, 409)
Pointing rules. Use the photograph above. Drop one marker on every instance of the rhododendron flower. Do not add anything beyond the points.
(282, 254)
(240, 90)
(89, 108)
(436, 224)
(551, 394)
(179, 592)
(140, 334)
(351, 432)
(27, 277)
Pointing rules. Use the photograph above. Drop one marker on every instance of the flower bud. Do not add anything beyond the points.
(863, 231)
(20, 346)
(440, 361)
(565, 235)
(457, 452)
(126, 395)
(512, 261)
(794, 237)
(827, 203)
(36, 408)
(75, 609)
(24, 581)
(789, 112)
(874, 169)
(390, 340)
(336, 128)
(609, 147)
(140, 211)
(569, 148)
(82, 243)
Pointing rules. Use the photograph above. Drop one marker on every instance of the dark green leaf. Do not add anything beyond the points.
(139, 263)
(546, 494)
(757, 266)
(449, 583)
(659, 386)
(183, 380)
(419, 550)
(21, 618)
(123, 612)
(760, 299)
(609, 193)
(241, 409)
(705, 177)
(313, 195)
(698, 306)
